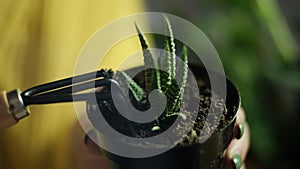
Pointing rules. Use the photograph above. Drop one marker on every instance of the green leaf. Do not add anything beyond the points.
(171, 45)
(152, 75)
(182, 71)
(137, 91)
(168, 61)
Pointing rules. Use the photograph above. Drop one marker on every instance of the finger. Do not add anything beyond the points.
(237, 150)
(241, 117)
(239, 124)
(241, 145)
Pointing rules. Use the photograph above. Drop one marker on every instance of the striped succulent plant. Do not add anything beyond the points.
(162, 79)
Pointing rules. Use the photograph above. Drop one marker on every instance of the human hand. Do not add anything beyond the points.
(237, 150)
(86, 154)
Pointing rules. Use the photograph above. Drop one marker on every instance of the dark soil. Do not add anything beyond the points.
(143, 130)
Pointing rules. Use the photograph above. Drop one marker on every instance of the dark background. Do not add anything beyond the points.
(258, 43)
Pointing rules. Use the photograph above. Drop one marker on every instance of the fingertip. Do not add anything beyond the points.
(236, 161)
(239, 131)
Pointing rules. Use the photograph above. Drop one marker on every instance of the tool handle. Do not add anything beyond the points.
(7, 118)
(12, 108)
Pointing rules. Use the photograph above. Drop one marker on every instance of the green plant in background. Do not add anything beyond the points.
(161, 79)
(260, 55)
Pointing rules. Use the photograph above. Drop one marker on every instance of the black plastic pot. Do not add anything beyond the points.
(207, 155)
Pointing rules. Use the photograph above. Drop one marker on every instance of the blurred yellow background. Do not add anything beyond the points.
(39, 42)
